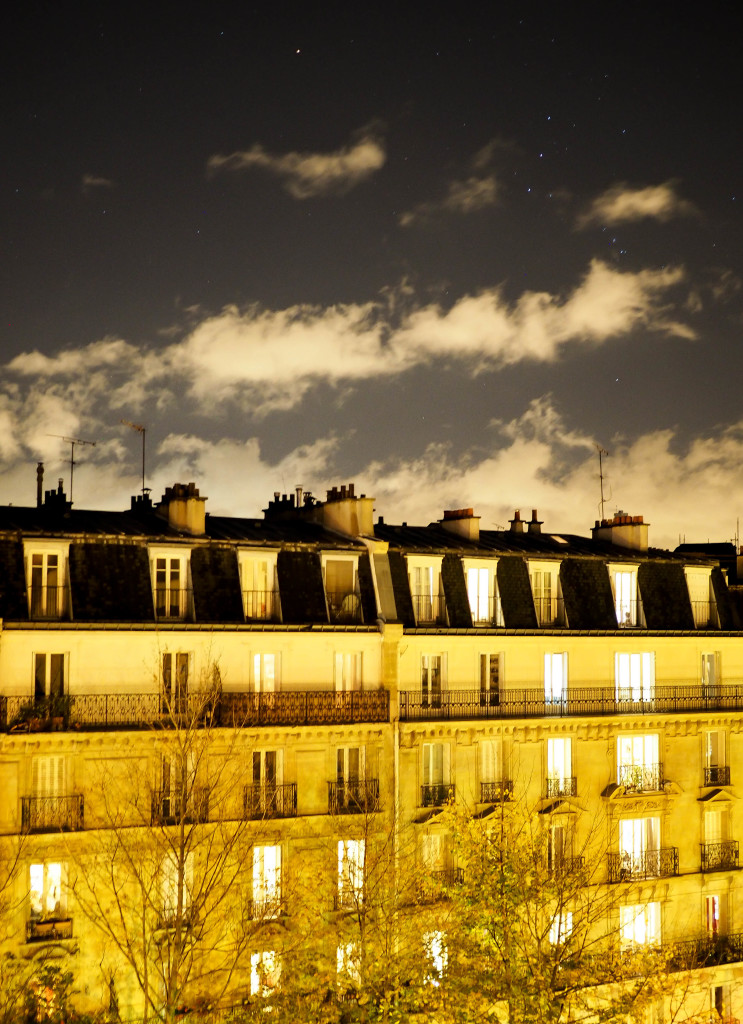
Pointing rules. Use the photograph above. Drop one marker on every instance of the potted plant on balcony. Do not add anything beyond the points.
(32, 717)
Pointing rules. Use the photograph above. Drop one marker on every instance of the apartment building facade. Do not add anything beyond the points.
(354, 678)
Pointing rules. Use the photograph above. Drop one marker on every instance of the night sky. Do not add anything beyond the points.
(444, 255)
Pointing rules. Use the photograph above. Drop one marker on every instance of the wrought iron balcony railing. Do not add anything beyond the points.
(575, 702)
(631, 867)
(48, 602)
(261, 605)
(705, 614)
(353, 796)
(429, 609)
(52, 813)
(234, 709)
(268, 800)
(629, 613)
(169, 807)
(719, 856)
(349, 897)
(437, 794)
(706, 951)
(717, 775)
(550, 611)
(494, 792)
(344, 607)
(435, 884)
(492, 615)
(559, 864)
(557, 786)
(267, 908)
(640, 778)
(173, 603)
(48, 929)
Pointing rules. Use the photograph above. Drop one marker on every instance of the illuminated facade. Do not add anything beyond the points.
(372, 670)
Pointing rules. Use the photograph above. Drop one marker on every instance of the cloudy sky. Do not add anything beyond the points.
(444, 259)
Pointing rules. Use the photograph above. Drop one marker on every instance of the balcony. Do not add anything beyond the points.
(717, 775)
(172, 603)
(47, 602)
(437, 794)
(170, 807)
(261, 605)
(633, 867)
(530, 702)
(706, 951)
(629, 614)
(344, 607)
(234, 709)
(48, 929)
(52, 813)
(436, 882)
(560, 787)
(705, 614)
(349, 897)
(640, 778)
(353, 796)
(269, 907)
(720, 856)
(429, 610)
(560, 865)
(268, 800)
(550, 611)
(490, 615)
(494, 792)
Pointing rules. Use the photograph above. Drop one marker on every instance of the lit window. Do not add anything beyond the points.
(482, 593)
(176, 886)
(266, 673)
(559, 767)
(638, 763)
(490, 679)
(46, 590)
(45, 890)
(639, 848)
(555, 678)
(49, 675)
(265, 973)
(634, 676)
(545, 588)
(425, 590)
(639, 925)
(351, 857)
(175, 682)
(348, 964)
(436, 788)
(170, 586)
(437, 957)
(347, 671)
(624, 582)
(342, 590)
(432, 672)
(561, 928)
(266, 881)
(259, 588)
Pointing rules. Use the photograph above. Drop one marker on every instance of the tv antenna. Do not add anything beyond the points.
(602, 452)
(143, 431)
(72, 441)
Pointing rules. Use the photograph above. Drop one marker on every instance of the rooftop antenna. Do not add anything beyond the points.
(602, 452)
(72, 441)
(143, 431)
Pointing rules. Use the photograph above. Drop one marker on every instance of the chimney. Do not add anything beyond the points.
(184, 509)
(463, 522)
(39, 484)
(623, 530)
(535, 526)
(517, 525)
(344, 513)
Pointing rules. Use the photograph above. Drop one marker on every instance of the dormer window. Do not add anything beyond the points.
(426, 590)
(703, 606)
(624, 588)
(46, 580)
(171, 585)
(341, 576)
(258, 582)
(482, 593)
(545, 588)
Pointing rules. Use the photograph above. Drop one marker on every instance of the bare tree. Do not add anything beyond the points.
(163, 874)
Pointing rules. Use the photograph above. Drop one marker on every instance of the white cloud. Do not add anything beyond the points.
(475, 192)
(90, 182)
(265, 360)
(622, 203)
(312, 174)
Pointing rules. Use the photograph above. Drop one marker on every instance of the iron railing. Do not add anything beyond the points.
(47, 602)
(267, 908)
(550, 611)
(717, 775)
(557, 786)
(494, 792)
(170, 807)
(631, 867)
(437, 794)
(144, 710)
(344, 607)
(172, 602)
(428, 609)
(435, 884)
(48, 929)
(269, 800)
(705, 614)
(492, 617)
(349, 897)
(353, 796)
(629, 613)
(706, 951)
(640, 778)
(720, 856)
(575, 702)
(560, 865)
(52, 813)
(262, 605)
